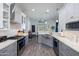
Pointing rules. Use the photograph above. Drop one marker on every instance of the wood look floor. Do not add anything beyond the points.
(35, 49)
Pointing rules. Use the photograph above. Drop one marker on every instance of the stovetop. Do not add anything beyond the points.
(15, 37)
(3, 38)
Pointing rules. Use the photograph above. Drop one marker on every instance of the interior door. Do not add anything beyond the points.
(33, 28)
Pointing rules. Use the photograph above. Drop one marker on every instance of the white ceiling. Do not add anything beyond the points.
(40, 10)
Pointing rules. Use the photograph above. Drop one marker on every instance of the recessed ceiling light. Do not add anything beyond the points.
(56, 20)
(47, 10)
(45, 22)
(33, 9)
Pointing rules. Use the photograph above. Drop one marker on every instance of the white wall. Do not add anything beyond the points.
(28, 24)
(69, 13)
(18, 16)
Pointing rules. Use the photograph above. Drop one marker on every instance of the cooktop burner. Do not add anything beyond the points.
(3, 38)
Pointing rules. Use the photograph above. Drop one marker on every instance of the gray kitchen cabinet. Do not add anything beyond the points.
(39, 38)
(45, 39)
(10, 50)
(26, 40)
(65, 50)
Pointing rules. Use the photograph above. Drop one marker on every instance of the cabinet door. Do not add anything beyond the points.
(1, 15)
(64, 50)
(40, 39)
(26, 40)
(10, 50)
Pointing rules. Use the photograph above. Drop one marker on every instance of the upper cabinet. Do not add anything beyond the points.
(4, 16)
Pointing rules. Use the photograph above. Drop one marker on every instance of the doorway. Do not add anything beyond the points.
(33, 28)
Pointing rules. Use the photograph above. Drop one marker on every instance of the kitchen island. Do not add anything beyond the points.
(64, 45)
(45, 39)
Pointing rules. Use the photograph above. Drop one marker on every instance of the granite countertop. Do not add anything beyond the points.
(67, 41)
(16, 37)
(6, 43)
(22, 34)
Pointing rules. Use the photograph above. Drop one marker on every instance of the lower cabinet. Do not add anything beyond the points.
(26, 40)
(65, 50)
(21, 44)
(10, 50)
(47, 40)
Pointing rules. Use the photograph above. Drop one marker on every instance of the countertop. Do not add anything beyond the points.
(6, 43)
(43, 33)
(22, 34)
(16, 38)
(67, 41)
